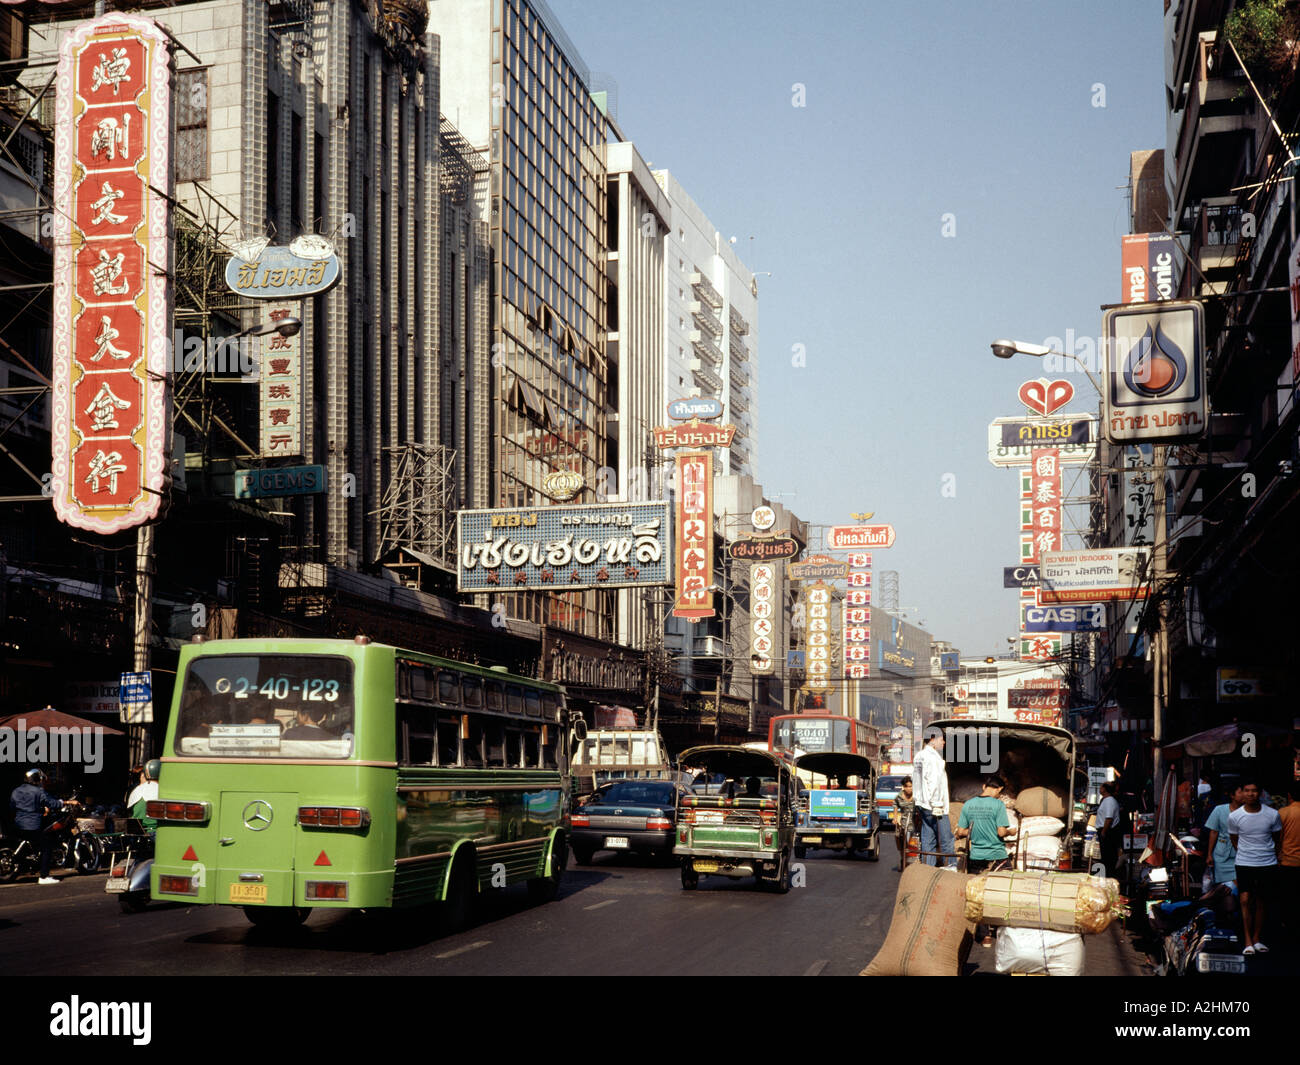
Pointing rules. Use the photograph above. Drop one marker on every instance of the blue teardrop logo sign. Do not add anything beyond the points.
(1155, 366)
(702, 407)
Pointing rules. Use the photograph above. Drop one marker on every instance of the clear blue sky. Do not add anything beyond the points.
(914, 110)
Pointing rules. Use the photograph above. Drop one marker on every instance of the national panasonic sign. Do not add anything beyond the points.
(1090, 617)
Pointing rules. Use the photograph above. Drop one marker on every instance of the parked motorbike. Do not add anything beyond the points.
(130, 857)
(68, 848)
(1201, 936)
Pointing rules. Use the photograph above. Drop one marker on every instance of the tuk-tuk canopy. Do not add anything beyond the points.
(1024, 756)
(734, 762)
(836, 764)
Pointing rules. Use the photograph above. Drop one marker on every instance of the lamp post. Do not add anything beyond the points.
(1005, 349)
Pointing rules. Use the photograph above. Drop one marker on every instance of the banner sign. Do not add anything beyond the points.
(819, 629)
(693, 434)
(1043, 505)
(838, 804)
(280, 389)
(1053, 433)
(1148, 267)
(1094, 576)
(111, 425)
(607, 545)
(1089, 617)
(280, 274)
(764, 619)
(857, 619)
(817, 568)
(702, 407)
(694, 476)
(1073, 452)
(860, 536)
(1155, 372)
(763, 548)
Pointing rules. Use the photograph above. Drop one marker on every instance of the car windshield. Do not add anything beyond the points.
(889, 783)
(638, 793)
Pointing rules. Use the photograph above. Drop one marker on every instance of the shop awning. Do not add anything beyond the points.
(1224, 739)
(48, 719)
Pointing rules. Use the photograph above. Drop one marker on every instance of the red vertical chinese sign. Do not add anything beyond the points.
(694, 535)
(112, 263)
(1040, 505)
(857, 617)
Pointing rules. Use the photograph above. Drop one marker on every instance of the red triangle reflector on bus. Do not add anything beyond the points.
(322, 860)
(189, 855)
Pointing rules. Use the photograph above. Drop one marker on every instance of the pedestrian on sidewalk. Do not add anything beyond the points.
(984, 819)
(1290, 862)
(1220, 855)
(1256, 833)
(930, 780)
(29, 804)
(1109, 829)
(904, 812)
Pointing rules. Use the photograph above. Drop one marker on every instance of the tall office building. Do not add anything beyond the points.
(712, 318)
(515, 87)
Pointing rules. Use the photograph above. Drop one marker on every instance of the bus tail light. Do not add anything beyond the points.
(580, 821)
(333, 890)
(333, 816)
(658, 824)
(169, 810)
(177, 885)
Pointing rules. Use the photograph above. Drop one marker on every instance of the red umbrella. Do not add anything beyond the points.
(50, 718)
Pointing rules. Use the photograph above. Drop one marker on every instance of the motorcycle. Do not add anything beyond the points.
(130, 857)
(68, 848)
(1201, 936)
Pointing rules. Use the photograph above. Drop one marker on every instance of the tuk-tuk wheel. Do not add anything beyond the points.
(800, 851)
(873, 852)
(690, 878)
(133, 902)
(782, 884)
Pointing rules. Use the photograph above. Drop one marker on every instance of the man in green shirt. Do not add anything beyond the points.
(984, 819)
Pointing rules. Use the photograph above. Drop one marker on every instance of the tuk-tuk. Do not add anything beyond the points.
(1023, 755)
(842, 815)
(744, 827)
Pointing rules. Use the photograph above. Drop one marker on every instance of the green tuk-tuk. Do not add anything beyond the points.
(841, 815)
(740, 821)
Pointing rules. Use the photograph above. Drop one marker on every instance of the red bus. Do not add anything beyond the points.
(796, 734)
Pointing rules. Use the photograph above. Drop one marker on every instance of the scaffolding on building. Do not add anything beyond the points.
(887, 591)
(415, 513)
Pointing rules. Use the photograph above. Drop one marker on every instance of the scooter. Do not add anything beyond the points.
(67, 848)
(130, 859)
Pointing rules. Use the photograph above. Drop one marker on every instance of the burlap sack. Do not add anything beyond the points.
(928, 934)
(1041, 802)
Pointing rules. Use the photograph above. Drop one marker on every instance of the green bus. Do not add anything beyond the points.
(343, 774)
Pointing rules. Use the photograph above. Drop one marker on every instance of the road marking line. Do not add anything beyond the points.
(815, 969)
(598, 905)
(463, 950)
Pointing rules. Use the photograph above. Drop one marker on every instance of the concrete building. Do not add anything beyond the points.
(981, 690)
(712, 322)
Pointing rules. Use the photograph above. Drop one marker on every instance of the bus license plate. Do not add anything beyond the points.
(616, 842)
(247, 892)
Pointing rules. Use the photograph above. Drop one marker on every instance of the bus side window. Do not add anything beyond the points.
(496, 697)
(532, 703)
(550, 741)
(448, 688)
(550, 707)
(415, 736)
(421, 682)
(514, 748)
(514, 699)
(472, 748)
(495, 732)
(448, 740)
(472, 692)
(533, 747)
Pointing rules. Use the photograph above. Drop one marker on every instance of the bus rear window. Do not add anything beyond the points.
(266, 706)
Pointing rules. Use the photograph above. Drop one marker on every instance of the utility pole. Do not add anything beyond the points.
(1160, 640)
(140, 735)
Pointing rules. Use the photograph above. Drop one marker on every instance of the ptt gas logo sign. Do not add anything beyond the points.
(1085, 617)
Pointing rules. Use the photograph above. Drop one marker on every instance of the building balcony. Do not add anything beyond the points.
(710, 647)
(739, 353)
(705, 376)
(738, 400)
(1216, 232)
(705, 348)
(739, 327)
(1217, 128)
(739, 375)
(706, 323)
(704, 290)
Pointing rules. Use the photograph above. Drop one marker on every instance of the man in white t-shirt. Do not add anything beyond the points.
(930, 785)
(1109, 831)
(1256, 833)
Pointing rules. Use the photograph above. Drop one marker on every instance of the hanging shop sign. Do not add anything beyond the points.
(1040, 520)
(280, 389)
(694, 526)
(1148, 267)
(703, 407)
(1044, 397)
(1051, 432)
(1040, 648)
(111, 425)
(1084, 617)
(762, 518)
(1020, 576)
(279, 482)
(819, 630)
(607, 545)
(1155, 372)
(856, 619)
(1094, 576)
(860, 536)
(279, 273)
(765, 548)
(693, 434)
(1077, 446)
(817, 568)
(764, 619)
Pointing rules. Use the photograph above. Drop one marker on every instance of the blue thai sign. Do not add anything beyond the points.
(607, 545)
(838, 803)
(278, 274)
(1078, 617)
(281, 481)
(703, 407)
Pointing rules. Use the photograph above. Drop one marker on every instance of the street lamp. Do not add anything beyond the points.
(286, 327)
(1005, 349)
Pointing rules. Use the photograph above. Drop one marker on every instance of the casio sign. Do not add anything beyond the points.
(1085, 618)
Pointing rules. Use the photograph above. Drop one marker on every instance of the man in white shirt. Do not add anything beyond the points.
(1108, 828)
(930, 785)
(1256, 833)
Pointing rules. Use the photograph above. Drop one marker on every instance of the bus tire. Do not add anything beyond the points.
(276, 918)
(462, 890)
(547, 888)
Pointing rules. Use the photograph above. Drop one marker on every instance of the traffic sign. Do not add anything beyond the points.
(135, 698)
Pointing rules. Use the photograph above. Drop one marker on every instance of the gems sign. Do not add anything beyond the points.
(112, 267)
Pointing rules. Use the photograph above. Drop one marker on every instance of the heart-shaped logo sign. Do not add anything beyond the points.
(1046, 397)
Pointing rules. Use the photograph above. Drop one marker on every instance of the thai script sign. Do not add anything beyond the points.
(764, 619)
(613, 545)
(819, 631)
(280, 390)
(282, 481)
(112, 267)
(817, 568)
(701, 407)
(1139, 490)
(1038, 717)
(1073, 452)
(694, 476)
(693, 434)
(860, 536)
(1094, 576)
(767, 548)
(278, 274)
(1155, 372)
(1056, 698)
(1043, 431)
